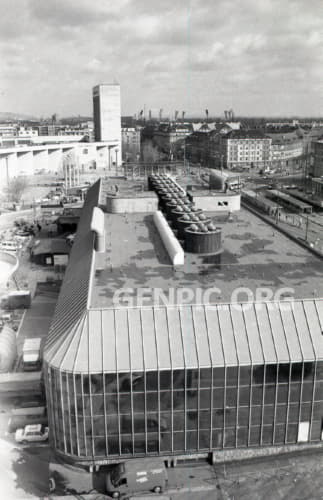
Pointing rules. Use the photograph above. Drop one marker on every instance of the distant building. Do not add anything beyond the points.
(245, 148)
(107, 117)
(131, 137)
(169, 137)
(286, 145)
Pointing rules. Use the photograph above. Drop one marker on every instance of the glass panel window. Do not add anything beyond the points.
(218, 418)
(307, 392)
(138, 382)
(294, 392)
(232, 376)
(268, 414)
(245, 375)
(152, 401)
(244, 396)
(179, 379)
(111, 402)
(306, 409)
(229, 438)
(205, 377)
(192, 399)
(179, 442)
(282, 393)
(165, 380)
(243, 416)
(204, 439)
(217, 438)
(126, 423)
(110, 381)
(140, 443)
(98, 404)
(152, 422)
(205, 398)
(178, 400)
(124, 382)
(270, 392)
(112, 424)
(279, 437)
(230, 417)
(97, 384)
(126, 444)
(256, 415)
(281, 414)
(257, 393)
(283, 372)
(218, 377)
(258, 375)
(178, 420)
(296, 375)
(165, 400)
(254, 435)
(204, 419)
(192, 378)
(86, 384)
(152, 381)
(125, 403)
(242, 436)
(139, 422)
(191, 440)
(267, 434)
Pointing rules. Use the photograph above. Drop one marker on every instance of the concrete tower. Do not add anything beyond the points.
(107, 117)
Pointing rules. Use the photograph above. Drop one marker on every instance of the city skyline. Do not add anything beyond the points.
(259, 58)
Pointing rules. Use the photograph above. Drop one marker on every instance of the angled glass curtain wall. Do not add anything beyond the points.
(184, 411)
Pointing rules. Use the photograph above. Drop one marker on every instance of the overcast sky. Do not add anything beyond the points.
(259, 57)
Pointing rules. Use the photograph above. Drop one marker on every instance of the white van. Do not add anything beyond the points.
(9, 246)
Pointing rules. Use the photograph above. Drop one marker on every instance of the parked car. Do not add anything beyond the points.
(31, 434)
(9, 246)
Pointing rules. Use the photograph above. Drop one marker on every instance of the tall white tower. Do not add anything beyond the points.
(107, 117)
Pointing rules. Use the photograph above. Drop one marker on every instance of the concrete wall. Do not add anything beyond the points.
(217, 203)
(121, 205)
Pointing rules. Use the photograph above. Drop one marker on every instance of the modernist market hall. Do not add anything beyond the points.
(128, 381)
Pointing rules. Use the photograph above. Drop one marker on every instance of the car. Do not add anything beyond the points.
(31, 434)
(9, 246)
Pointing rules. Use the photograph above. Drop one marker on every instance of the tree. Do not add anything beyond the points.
(16, 188)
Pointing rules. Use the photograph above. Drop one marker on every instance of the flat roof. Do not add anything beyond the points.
(255, 255)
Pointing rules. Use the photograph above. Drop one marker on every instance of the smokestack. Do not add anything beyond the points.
(183, 115)
(176, 115)
(207, 115)
(149, 114)
(160, 114)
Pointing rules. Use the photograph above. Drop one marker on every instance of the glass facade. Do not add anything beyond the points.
(184, 411)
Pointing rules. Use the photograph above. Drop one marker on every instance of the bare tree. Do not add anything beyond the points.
(15, 189)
